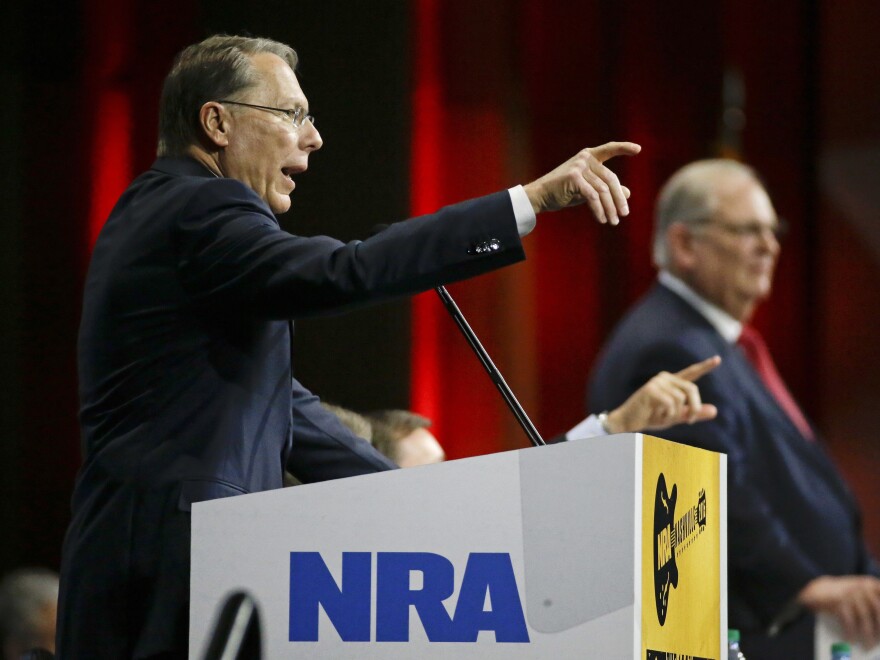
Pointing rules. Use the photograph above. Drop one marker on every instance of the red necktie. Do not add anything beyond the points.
(757, 353)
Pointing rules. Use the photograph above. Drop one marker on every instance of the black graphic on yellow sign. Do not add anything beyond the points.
(681, 570)
(671, 538)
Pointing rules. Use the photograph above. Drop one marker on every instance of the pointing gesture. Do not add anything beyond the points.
(665, 400)
(585, 179)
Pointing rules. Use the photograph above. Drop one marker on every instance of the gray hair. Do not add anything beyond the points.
(24, 595)
(690, 196)
(391, 426)
(216, 68)
(355, 422)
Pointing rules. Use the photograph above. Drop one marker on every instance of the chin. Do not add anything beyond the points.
(280, 206)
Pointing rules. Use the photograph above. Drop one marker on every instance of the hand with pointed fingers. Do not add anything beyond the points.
(665, 400)
(584, 179)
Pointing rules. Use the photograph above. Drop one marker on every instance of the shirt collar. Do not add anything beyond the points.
(727, 326)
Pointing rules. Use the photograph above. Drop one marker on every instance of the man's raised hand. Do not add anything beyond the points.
(665, 400)
(585, 179)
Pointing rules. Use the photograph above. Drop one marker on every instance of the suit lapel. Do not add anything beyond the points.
(736, 362)
(760, 395)
(749, 382)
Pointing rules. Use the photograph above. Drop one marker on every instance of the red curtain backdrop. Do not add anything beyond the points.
(465, 143)
(129, 49)
(847, 260)
(536, 81)
(507, 91)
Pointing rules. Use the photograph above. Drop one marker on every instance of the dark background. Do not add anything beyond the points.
(423, 103)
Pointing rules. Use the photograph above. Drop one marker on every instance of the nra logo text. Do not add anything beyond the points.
(488, 598)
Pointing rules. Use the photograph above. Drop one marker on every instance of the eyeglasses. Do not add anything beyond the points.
(297, 116)
(753, 229)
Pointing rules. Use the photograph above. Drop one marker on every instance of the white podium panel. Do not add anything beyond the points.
(602, 548)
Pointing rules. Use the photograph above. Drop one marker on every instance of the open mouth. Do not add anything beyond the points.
(287, 172)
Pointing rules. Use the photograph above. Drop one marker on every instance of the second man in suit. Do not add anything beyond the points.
(795, 541)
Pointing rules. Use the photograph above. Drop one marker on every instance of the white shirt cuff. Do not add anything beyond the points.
(522, 210)
(588, 428)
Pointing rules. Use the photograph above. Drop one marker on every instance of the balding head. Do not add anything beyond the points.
(716, 229)
(403, 436)
(692, 195)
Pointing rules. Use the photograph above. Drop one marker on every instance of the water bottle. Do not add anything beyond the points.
(841, 651)
(733, 652)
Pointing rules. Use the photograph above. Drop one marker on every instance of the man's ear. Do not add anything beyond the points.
(215, 124)
(680, 243)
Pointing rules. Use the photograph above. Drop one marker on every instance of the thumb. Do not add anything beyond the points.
(706, 412)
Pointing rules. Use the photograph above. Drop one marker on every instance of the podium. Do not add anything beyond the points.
(609, 547)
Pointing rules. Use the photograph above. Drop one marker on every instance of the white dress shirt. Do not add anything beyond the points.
(522, 210)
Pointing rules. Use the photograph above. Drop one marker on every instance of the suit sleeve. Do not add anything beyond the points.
(232, 255)
(323, 447)
(761, 550)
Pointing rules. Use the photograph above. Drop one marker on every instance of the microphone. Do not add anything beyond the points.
(494, 374)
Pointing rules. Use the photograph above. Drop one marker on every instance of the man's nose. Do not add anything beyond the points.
(310, 138)
(769, 241)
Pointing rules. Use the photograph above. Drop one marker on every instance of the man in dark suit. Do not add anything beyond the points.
(795, 542)
(184, 348)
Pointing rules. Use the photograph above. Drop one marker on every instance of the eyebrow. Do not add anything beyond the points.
(293, 105)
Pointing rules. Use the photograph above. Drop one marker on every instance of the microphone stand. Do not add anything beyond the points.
(490, 367)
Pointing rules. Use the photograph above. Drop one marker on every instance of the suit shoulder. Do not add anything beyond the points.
(208, 194)
(170, 190)
(662, 322)
(658, 334)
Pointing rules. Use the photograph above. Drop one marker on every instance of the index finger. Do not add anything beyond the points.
(612, 149)
(699, 369)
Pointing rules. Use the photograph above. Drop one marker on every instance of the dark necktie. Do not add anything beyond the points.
(759, 355)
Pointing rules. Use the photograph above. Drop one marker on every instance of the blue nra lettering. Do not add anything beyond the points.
(347, 605)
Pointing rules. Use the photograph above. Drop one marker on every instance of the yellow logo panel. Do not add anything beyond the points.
(681, 586)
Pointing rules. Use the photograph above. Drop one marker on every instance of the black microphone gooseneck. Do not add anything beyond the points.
(490, 367)
(521, 417)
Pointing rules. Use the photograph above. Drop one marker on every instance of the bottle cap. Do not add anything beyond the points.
(837, 647)
(732, 635)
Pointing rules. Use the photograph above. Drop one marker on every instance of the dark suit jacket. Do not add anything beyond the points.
(185, 378)
(791, 517)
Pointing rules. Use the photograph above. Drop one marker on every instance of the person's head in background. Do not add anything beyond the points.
(28, 608)
(716, 229)
(404, 437)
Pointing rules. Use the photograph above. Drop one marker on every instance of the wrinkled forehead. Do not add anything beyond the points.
(275, 83)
